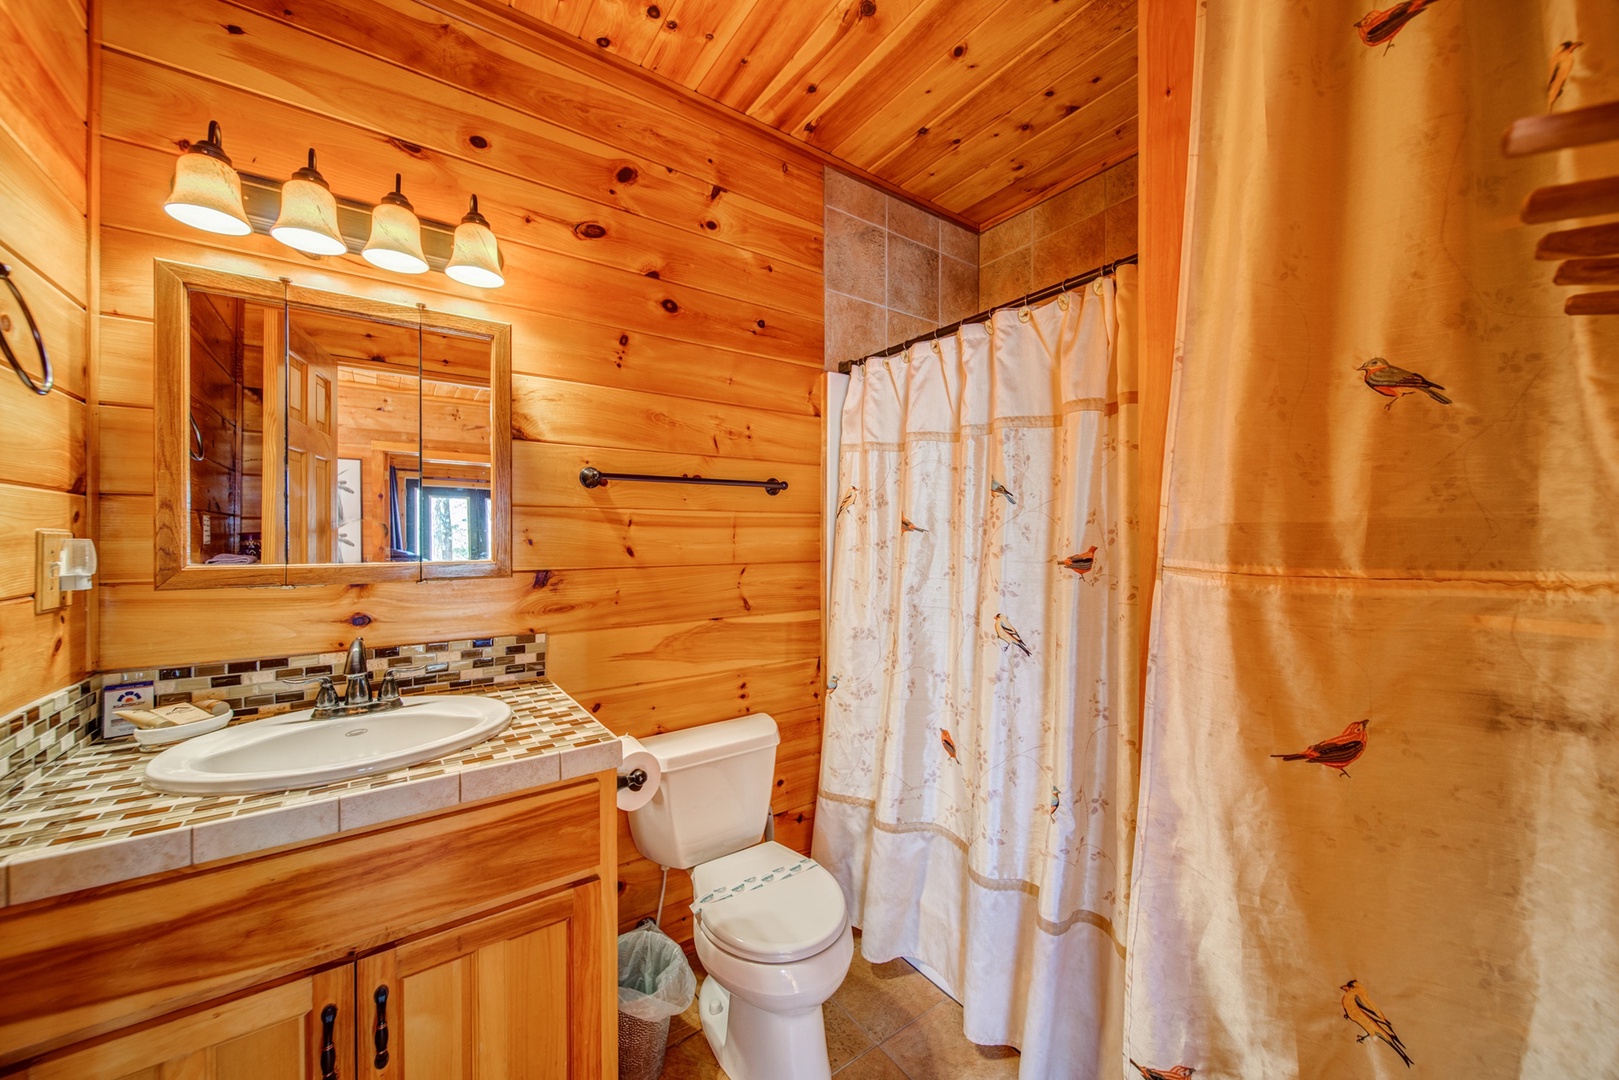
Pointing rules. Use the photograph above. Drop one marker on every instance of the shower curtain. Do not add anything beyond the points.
(1379, 820)
(978, 767)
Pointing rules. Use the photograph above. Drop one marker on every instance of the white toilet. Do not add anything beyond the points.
(771, 927)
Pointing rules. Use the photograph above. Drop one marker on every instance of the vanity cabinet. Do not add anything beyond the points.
(473, 943)
(274, 1034)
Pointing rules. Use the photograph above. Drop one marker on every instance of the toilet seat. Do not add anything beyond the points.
(778, 922)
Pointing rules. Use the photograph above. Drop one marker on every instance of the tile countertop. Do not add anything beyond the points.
(91, 821)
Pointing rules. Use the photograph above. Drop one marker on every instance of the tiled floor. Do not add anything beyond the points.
(907, 1030)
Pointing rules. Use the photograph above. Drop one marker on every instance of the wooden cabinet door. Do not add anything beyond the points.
(521, 994)
(275, 1034)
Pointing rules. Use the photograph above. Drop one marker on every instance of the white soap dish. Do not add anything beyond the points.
(153, 738)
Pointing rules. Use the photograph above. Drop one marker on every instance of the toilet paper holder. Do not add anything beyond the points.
(635, 779)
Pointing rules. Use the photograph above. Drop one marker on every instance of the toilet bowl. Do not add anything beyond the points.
(774, 953)
(769, 924)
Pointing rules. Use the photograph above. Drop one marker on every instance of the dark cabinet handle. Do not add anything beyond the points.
(379, 1030)
(328, 1050)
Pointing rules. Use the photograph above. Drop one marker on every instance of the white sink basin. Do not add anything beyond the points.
(292, 751)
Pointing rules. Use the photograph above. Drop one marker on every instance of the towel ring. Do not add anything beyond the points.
(196, 434)
(48, 379)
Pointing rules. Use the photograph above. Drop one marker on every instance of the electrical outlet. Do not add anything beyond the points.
(48, 594)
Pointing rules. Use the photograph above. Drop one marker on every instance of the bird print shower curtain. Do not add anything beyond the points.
(1378, 831)
(978, 766)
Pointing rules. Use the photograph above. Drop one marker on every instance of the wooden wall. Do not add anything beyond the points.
(44, 80)
(1168, 36)
(664, 287)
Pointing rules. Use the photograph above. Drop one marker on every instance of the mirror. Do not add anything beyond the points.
(307, 437)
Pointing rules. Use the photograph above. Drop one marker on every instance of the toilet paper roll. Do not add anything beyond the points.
(637, 758)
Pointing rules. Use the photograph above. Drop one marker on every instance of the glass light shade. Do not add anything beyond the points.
(207, 194)
(308, 218)
(396, 236)
(475, 258)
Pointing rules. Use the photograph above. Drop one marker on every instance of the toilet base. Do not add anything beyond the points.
(752, 1044)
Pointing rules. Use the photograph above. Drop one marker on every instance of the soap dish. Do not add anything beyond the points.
(153, 738)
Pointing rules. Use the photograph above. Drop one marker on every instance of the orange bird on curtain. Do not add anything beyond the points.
(1338, 752)
(1380, 27)
(1358, 1009)
(949, 744)
(1179, 1072)
(1396, 382)
(1080, 564)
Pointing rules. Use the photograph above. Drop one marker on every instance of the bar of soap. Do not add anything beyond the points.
(165, 716)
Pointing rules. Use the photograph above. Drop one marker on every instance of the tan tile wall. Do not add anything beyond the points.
(1089, 224)
(893, 271)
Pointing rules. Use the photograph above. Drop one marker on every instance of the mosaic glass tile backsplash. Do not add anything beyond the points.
(38, 734)
(35, 735)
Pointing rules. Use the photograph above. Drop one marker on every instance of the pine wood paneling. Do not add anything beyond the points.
(44, 81)
(568, 538)
(547, 474)
(869, 83)
(675, 650)
(22, 510)
(643, 709)
(61, 322)
(1169, 32)
(286, 64)
(47, 228)
(665, 297)
(40, 653)
(160, 105)
(573, 284)
(549, 410)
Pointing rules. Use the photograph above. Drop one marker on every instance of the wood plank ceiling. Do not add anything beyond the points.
(979, 108)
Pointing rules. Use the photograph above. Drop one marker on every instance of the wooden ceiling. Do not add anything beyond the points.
(980, 108)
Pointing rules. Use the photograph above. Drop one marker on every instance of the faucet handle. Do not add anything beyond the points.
(388, 692)
(326, 697)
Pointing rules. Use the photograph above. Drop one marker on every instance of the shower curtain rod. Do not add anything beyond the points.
(983, 316)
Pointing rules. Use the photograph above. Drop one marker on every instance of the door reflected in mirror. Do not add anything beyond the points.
(329, 444)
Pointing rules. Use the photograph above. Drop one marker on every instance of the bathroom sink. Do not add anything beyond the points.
(292, 751)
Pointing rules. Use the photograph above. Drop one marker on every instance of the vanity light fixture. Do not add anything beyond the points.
(308, 218)
(476, 258)
(207, 193)
(396, 234)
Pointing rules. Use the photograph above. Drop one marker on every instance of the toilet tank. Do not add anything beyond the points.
(714, 797)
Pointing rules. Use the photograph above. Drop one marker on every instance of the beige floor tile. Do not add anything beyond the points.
(692, 1060)
(933, 1048)
(885, 997)
(872, 1065)
(845, 1041)
(688, 1023)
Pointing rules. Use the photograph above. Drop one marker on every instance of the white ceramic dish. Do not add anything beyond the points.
(152, 738)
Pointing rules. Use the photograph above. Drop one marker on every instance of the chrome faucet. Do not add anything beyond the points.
(357, 698)
(358, 690)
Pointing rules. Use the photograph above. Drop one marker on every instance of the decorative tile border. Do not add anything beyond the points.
(90, 821)
(38, 734)
(41, 732)
(264, 687)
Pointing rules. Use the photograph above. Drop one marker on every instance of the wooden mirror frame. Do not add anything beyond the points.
(171, 309)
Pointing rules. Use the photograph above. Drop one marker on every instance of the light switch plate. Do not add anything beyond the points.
(48, 594)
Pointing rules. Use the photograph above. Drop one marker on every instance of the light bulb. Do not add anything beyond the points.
(476, 258)
(207, 193)
(396, 235)
(308, 219)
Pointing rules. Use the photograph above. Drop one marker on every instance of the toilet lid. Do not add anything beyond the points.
(777, 922)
